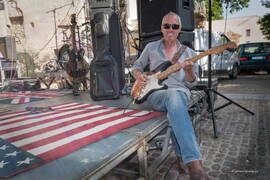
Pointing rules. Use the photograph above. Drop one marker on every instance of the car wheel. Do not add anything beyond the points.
(234, 72)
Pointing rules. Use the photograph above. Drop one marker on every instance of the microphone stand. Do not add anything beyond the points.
(54, 18)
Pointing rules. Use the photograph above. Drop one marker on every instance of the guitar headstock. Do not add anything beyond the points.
(219, 49)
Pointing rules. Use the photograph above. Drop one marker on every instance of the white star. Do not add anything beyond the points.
(84, 161)
(26, 161)
(12, 154)
(2, 163)
(4, 147)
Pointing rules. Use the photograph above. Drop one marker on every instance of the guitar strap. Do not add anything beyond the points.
(178, 54)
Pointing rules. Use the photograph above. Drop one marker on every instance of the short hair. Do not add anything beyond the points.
(173, 14)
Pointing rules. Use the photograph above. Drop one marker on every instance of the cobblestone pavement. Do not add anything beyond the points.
(242, 149)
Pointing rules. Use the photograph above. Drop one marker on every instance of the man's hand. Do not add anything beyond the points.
(141, 77)
(188, 65)
(188, 68)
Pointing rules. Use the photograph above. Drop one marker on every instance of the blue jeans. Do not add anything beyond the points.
(175, 103)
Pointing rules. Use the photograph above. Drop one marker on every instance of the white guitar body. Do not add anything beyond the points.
(152, 85)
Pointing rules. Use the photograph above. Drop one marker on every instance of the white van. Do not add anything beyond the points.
(223, 63)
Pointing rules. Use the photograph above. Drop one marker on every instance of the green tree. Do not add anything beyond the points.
(217, 6)
(264, 22)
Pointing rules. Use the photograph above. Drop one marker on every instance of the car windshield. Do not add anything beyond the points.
(256, 48)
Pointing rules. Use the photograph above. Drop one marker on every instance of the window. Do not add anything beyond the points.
(247, 32)
(2, 7)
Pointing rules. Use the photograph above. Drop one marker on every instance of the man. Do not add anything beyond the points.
(174, 100)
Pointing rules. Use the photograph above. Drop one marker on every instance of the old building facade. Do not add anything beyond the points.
(240, 29)
(35, 25)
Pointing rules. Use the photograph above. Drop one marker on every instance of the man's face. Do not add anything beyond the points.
(169, 28)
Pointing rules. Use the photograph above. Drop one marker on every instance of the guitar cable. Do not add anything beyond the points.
(126, 108)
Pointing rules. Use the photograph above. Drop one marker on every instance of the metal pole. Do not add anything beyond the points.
(209, 44)
(55, 28)
(209, 92)
(226, 17)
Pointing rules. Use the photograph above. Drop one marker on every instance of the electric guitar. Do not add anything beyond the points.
(153, 83)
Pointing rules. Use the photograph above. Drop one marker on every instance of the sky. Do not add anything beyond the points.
(255, 8)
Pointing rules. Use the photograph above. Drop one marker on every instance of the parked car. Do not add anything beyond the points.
(254, 56)
(225, 63)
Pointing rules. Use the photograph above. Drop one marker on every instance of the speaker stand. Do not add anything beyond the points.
(210, 90)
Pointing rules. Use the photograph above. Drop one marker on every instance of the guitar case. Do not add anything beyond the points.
(104, 79)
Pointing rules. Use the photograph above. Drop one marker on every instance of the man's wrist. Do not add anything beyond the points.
(137, 73)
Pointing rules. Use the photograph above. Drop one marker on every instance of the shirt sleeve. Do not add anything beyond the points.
(142, 61)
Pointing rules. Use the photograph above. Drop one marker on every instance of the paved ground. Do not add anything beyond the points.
(242, 149)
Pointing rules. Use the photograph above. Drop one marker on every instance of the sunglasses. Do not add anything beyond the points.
(173, 26)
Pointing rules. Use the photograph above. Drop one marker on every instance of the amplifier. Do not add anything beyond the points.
(8, 47)
(151, 12)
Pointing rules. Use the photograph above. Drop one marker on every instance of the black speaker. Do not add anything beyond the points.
(151, 12)
(144, 41)
(187, 38)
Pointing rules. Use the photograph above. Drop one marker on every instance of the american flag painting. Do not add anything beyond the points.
(21, 97)
(29, 140)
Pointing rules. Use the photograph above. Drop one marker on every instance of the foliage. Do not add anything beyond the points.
(236, 5)
(217, 10)
(264, 22)
(266, 3)
(26, 60)
(217, 6)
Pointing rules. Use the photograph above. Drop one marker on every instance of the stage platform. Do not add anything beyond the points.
(94, 160)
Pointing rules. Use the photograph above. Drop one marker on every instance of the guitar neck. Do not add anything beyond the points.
(177, 66)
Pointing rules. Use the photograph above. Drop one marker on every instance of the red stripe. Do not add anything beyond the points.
(43, 121)
(63, 124)
(55, 112)
(44, 95)
(78, 129)
(21, 100)
(73, 146)
(10, 113)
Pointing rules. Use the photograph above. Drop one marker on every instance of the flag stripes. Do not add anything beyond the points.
(21, 97)
(69, 126)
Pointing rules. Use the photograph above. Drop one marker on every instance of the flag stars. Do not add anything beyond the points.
(26, 161)
(84, 161)
(3, 163)
(4, 147)
(12, 154)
